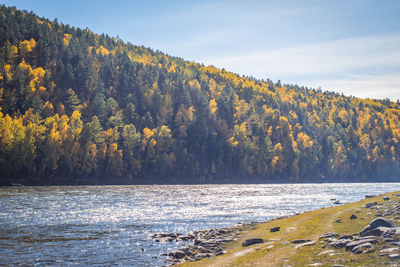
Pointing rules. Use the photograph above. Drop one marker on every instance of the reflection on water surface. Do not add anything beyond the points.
(106, 225)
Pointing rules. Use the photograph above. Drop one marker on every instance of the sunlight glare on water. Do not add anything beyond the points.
(106, 225)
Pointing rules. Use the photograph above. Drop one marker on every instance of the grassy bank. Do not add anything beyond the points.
(277, 249)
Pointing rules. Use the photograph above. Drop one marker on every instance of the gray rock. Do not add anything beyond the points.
(203, 250)
(363, 248)
(369, 237)
(341, 243)
(328, 235)
(353, 217)
(330, 240)
(338, 221)
(357, 243)
(388, 251)
(370, 196)
(346, 237)
(201, 256)
(219, 249)
(382, 231)
(252, 241)
(177, 254)
(219, 253)
(187, 251)
(275, 229)
(386, 198)
(186, 237)
(300, 241)
(377, 223)
(369, 205)
(394, 256)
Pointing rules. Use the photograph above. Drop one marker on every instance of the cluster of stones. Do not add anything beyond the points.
(208, 243)
(379, 231)
(201, 244)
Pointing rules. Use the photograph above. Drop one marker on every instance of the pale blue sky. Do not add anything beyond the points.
(345, 46)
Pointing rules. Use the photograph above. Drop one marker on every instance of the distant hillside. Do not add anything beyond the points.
(84, 107)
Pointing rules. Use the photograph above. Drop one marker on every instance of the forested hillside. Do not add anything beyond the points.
(84, 106)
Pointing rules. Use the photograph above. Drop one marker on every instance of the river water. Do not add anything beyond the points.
(110, 225)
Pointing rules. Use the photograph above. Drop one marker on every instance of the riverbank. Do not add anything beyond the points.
(326, 237)
(228, 178)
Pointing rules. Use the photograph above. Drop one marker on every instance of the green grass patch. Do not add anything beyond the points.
(278, 251)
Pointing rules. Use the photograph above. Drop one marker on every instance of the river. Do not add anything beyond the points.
(110, 225)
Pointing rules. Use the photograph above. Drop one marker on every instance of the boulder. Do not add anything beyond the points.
(346, 237)
(204, 250)
(382, 222)
(328, 235)
(252, 241)
(219, 253)
(357, 243)
(382, 231)
(201, 256)
(370, 196)
(363, 248)
(275, 229)
(369, 205)
(353, 217)
(341, 243)
(386, 198)
(186, 237)
(177, 254)
(379, 222)
(198, 241)
(187, 251)
(330, 240)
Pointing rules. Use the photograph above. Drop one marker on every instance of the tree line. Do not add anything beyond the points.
(82, 105)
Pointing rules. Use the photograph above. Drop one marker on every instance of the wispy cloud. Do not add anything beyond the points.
(367, 66)
(327, 57)
(365, 86)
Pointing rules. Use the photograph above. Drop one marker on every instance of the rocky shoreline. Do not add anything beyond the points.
(206, 243)
(382, 231)
(381, 235)
(201, 244)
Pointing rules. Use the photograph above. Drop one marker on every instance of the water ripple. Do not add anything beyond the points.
(110, 225)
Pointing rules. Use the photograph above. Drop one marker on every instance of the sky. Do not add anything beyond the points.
(351, 47)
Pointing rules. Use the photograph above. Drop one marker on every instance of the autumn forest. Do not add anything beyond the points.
(78, 107)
